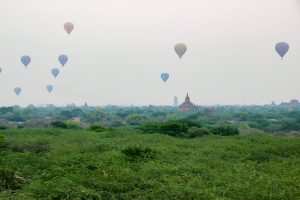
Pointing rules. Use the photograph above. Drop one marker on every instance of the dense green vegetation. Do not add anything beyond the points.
(149, 153)
(186, 128)
(272, 119)
(120, 164)
(1, 138)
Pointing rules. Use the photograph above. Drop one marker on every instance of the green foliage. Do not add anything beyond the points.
(86, 165)
(136, 153)
(66, 114)
(225, 131)
(10, 180)
(173, 128)
(1, 138)
(116, 123)
(97, 128)
(244, 125)
(3, 127)
(134, 119)
(73, 125)
(194, 132)
(20, 126)
(275, 119)
(37, 123)
(59, 124)
(66, 163)
(39, 146)
(70, 124)
(94, 116)
(4, 110)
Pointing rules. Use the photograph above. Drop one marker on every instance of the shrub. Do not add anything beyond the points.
(40, 146)
(225, 131)
(20, 126)
(258, 157)
(73, 125)
(3, 127)
(59, 124)
(116, 123)
(134, 119)
(173, 128)
(94, 116)
(194, 132)
(1, 138)
(244, 125)
(37, 123)
(17, 148)
(97, 128)
(9, 180)
(139, 153)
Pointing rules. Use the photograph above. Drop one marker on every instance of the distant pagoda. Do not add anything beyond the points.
(187, 105)
(175, 102)
(292, 103)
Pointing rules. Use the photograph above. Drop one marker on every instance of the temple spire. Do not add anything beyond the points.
(187, 105)
(187, 98)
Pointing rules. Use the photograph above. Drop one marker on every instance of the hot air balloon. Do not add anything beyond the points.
(18, 90)
(164, 76)
(63, 59)
(282, 48)
(49, 88)
(69, 26)
(25, 60)
(180, 49)
(55, 72)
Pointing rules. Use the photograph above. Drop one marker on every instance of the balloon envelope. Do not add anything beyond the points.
(55, 72)
(164, 76)
(63, 59)
(282, 48)
(25, 60)
(18, 90)
(49, 88)
(69, 26)
(180, 49)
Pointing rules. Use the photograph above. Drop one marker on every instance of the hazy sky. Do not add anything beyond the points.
(119, 48)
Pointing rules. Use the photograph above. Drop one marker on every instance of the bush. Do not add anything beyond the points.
(97, 128)
(17, 148)
(37, 123)
(116, 123)
(39, 146)
(134, 119)
(73, 125)
(59, 124)
(1, 138)
(138, 153)
(173, 128)
(225, 131)
(3, 127)
(244, 125)
(9, 180)
(20, 126)
(94, 116)
(194, 132)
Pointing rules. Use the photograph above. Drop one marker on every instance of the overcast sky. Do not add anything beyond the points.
(119, 48)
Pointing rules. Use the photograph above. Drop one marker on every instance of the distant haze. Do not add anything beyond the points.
(118, 49)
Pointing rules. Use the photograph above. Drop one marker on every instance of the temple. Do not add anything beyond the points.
(175, 104)
(187, 105)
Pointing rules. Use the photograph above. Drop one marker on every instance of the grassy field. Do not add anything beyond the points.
(66, 164)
